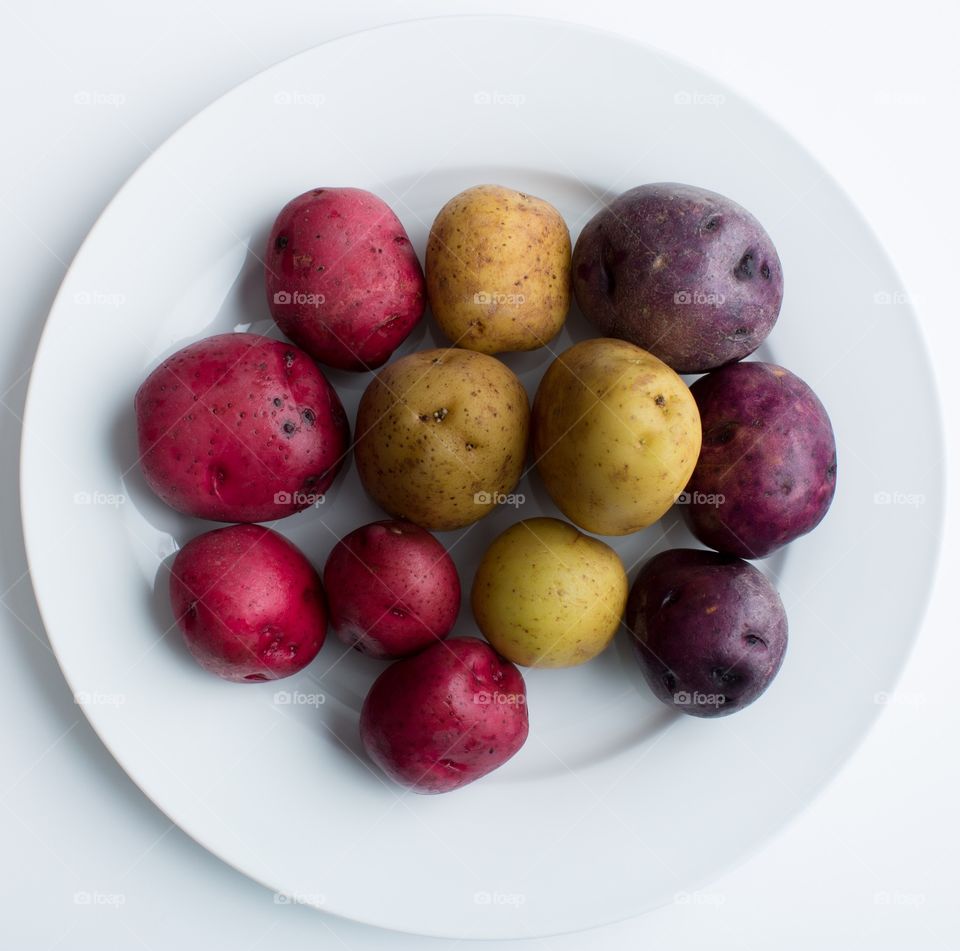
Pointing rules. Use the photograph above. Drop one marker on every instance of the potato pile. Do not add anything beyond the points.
(243, 428)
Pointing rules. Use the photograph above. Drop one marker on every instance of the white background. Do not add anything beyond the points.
(871, 90)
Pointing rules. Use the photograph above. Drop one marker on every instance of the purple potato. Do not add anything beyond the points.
(710, 630)
(683, 272)
(768, 464)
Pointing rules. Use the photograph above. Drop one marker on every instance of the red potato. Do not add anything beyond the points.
(240, 428)
(343, 280)
(392, 589)
(445, 717)
(248, 602)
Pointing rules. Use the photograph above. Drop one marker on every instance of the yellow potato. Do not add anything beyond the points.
(498, 270)
(441, 437)
(546, 595)
(616, 435)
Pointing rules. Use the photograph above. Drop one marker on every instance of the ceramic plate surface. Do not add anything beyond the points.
(616, 804)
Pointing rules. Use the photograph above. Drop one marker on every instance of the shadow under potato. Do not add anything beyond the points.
(165, 625)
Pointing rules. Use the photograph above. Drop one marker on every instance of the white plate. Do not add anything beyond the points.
(615, 805)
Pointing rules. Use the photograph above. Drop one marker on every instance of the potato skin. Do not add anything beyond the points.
(683, 272)
(710, 630)
(392, 589)
(498, 270)
(546, 595)
(445, 717)
(768, 452)
(240, 428)
(249, 604)
(343, 280)
(441, 436)
(616, 435)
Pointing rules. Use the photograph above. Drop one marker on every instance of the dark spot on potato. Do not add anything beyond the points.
(711, 223)
(606, 269)
(288, 359)
(660, 401)
(754, 640)
(765, 271)
(832, 470)
(741, 332)
(786, 487)
(745, 269)
(398, 612)
(423, 417)
(278, 402)
(318, 191)
(289, 427)
(669, 681)
(191, 611)
(256, 678)
(721, 435)
(281, 242)
(309, 416)
(724, 676)
(441, 414)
